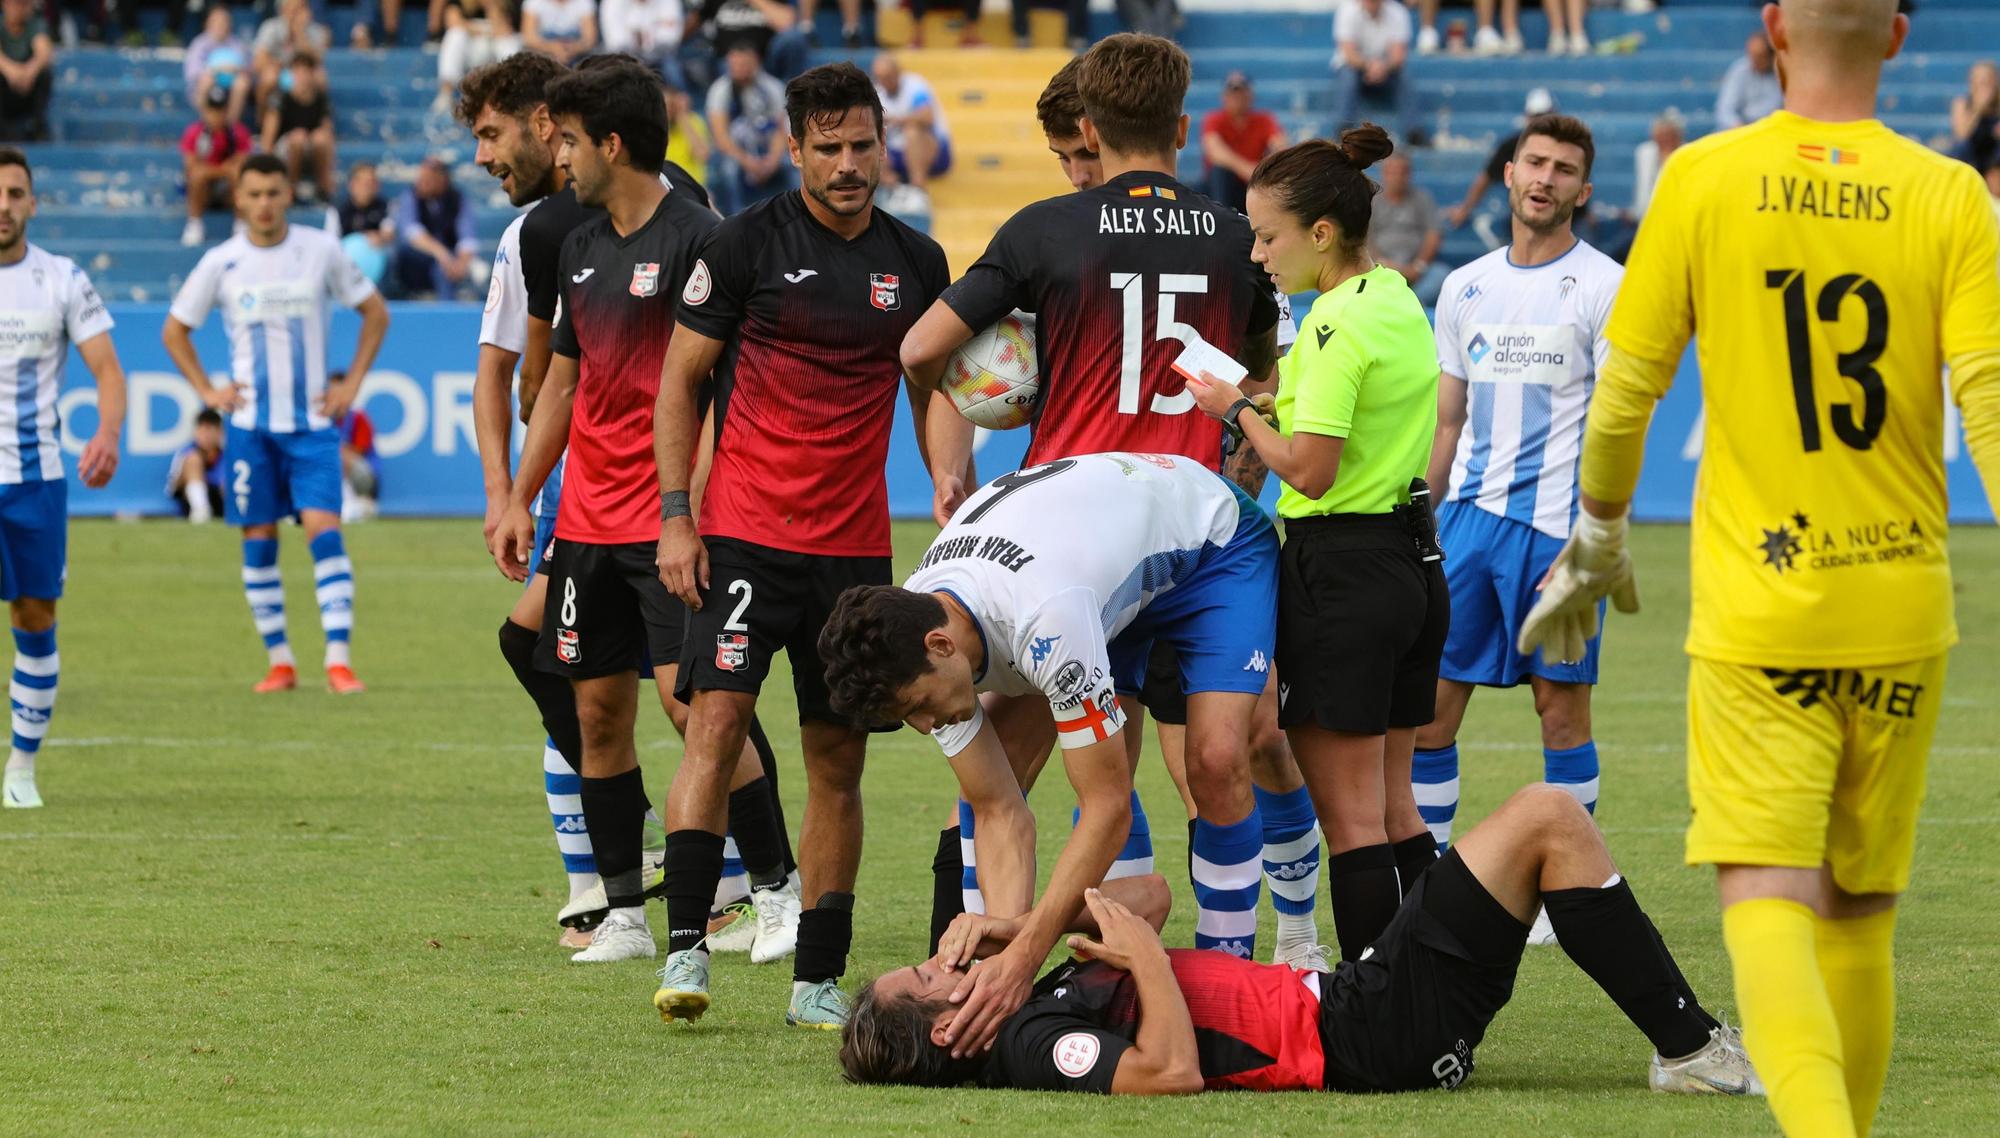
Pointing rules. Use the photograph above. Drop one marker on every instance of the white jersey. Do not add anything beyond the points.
(274, 307)
(913, 93)
(46, 304)
(1288, 328)
(1055, 560)
(504, 324)
(1528, 342)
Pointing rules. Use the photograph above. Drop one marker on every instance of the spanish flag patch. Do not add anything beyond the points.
(1832, 156)
(1153, 192)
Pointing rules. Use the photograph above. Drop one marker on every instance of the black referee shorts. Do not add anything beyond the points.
(607, 612)
(1408, 1015)
(1361, 625)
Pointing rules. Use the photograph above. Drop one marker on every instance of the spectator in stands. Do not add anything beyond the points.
(649, 31)
(771, 27)
(367, 232)
(1234, 138)
(1150, 17)
(360, 465)
(476, 32)
(298, 128)
(565, 29)
(434, 223)
(1077, 12)
(281, 37)
(1403, 230)
(746, 118)
(1975, 116)
(688, 142)
(1371, 41)
(217, 58)
(212, 149)
(1750, 87)
(26, 73)
(1494, 173)
(1667, 135)
(1505, 40)
(194, 476)
(850, 21)
(1566, 16)
(918, 141)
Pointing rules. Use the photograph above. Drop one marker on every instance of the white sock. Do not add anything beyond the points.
(336, 654)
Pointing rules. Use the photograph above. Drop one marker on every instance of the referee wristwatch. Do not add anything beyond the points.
(1235, 412)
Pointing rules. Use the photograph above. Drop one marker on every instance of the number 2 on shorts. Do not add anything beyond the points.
(735, 621)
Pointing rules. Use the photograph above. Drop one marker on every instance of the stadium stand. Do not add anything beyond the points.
(110, 198)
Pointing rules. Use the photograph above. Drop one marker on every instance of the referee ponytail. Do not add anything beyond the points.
(1322, 179)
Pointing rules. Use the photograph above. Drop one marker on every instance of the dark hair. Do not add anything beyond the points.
(824, 95)
(12, 156)
(265, 164)
(1322, 178)
(1060, 106)
(621, 99)
(873, 646)
(1563, 128)
(889, 1041)
(208, 417)
(512, 86)
(1132, 87)
(304, 55)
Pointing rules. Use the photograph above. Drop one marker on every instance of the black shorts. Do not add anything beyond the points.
(607, 612)
(1408, 1015)
(759, 601)
(1361, 625)
(1161, 693)
(215, 501)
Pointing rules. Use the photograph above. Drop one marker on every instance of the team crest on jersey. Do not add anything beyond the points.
(645, 278)
(885, 291)
(1567, 286)
(732, 651)
(569, 646)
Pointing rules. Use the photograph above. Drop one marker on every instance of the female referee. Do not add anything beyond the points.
(1362, 608)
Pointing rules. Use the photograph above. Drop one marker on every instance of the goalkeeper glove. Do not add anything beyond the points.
(1593, 564)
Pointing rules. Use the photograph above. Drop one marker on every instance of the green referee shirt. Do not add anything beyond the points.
(1364, 369)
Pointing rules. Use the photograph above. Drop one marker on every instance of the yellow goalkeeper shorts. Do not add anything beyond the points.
(1795, 767)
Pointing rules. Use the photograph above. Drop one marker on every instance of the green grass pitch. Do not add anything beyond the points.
(301, 914)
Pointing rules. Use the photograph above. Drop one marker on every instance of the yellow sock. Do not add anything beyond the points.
(1857, 962)
(1788, 1022)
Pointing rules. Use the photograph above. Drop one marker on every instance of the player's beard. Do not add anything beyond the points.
(824, 194)
(1557, 219)
(11, 241)
(533, 175)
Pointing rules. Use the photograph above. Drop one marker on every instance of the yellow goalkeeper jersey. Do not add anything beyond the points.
(1827, 272)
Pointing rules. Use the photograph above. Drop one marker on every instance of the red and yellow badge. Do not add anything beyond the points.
(1152, 192)
(1831, 155)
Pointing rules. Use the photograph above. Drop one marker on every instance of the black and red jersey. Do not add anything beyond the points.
(549, 224)
(1256, 1026)
(1120, 278)
(618, 298)
(805, 389)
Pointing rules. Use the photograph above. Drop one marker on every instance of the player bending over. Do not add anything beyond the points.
(1053, 583)
(1128, 1016)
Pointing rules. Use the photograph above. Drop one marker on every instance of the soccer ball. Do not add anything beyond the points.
(993, 379)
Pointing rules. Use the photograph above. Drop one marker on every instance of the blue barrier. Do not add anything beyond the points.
(420, 399)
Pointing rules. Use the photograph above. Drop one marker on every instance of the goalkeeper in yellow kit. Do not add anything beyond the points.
(1830, 270)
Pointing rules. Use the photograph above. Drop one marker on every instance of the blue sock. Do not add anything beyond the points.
(564, 788)
(968, 883)
(1434, 778)
(333, 581)
(266, 594)
(32, 694)
(1575, 770)
(1228, 864)
(1136, 859)
(1291, 863)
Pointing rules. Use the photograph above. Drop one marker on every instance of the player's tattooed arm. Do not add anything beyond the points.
(1247, 469)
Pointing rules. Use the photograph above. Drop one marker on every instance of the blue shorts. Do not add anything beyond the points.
(1223, 620)
(1493, 566)
(273, 476)
(900, 162)
(34, 539)
(545, 522)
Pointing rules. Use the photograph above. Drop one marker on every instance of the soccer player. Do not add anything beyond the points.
(1127, 1016)
(797, 305)
(612, 618)
(272, 282)
(1520, 337)
(1122, 290)
(53, 306)
(505, 106)
(1833, 269)
(1052, 583)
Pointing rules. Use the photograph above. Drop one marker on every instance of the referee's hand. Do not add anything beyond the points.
(682, 561)
(1593, 564)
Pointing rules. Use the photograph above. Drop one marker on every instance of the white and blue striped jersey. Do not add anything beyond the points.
(504, 324)
(274, 307)
(1528, 343)
(46, 304)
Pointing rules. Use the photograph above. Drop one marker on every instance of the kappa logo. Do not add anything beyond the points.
(569, 646)
(1039, 650)
(645, 278)
(885, 291)
(1076, 1053)
(699, 284)
(1258, 663)
(1296, 871)
(582, 276)
(572, 824)
(1478, 347)
(800, 276)
(1234, 948)
(1471, 292)
(732, 651)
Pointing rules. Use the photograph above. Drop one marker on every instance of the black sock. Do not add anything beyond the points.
(694, 866)
(552, 694)
(758, 837)
(1611, 939)
(1191, 825)
(1365, 896)
(1413, 856)
(947, 885)
(826, 932)
(614, 810)
(769, 758)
